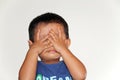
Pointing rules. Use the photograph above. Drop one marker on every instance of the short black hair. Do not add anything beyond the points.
(47, 18)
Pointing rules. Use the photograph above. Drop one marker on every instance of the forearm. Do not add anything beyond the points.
(74, 65)
(28, 68)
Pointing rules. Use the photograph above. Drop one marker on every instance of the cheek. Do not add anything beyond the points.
(47, 56)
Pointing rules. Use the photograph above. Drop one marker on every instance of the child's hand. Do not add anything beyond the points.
(39, 44)
(58, 41)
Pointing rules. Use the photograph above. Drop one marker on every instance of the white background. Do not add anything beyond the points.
(94, 31)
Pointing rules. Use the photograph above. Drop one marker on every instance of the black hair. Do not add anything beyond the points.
(47, 18)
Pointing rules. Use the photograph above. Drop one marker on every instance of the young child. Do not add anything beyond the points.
(49, 40)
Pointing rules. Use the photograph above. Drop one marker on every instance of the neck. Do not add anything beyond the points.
(51, 61)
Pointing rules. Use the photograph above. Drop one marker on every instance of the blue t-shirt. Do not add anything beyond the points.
(56, 71)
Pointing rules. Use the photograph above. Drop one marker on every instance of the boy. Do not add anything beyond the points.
(49, 40)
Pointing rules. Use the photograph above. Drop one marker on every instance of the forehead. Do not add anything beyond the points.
(46, 27)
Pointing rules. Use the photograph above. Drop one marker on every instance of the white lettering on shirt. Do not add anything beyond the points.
(41, 77)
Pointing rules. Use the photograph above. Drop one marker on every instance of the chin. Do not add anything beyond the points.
(50, 55)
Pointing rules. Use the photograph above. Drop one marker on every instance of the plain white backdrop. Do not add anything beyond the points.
(94, 27)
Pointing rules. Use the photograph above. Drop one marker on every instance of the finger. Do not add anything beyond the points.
(51, 39)
(47, 49)
(48, 42)
(50, 45)
(47, 46)
(30, 43)
(45, 43)
(45, 38)
(38, 35)
(59, 32)
(53, 35)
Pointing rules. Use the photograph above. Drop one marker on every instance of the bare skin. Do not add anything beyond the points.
(42, 46)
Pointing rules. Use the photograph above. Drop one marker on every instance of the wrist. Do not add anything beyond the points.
(63, 51)
(33, 51)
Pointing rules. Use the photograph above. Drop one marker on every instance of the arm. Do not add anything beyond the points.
(74, 65)
(29, 66)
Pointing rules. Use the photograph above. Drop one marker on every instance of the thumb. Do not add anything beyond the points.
(30, 43)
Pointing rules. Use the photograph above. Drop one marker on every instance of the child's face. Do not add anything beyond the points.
(44, 28)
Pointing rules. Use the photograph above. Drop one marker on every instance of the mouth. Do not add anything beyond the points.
(53, 51)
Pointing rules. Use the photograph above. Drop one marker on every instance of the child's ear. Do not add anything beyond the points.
(67, 42)
(30, 43)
